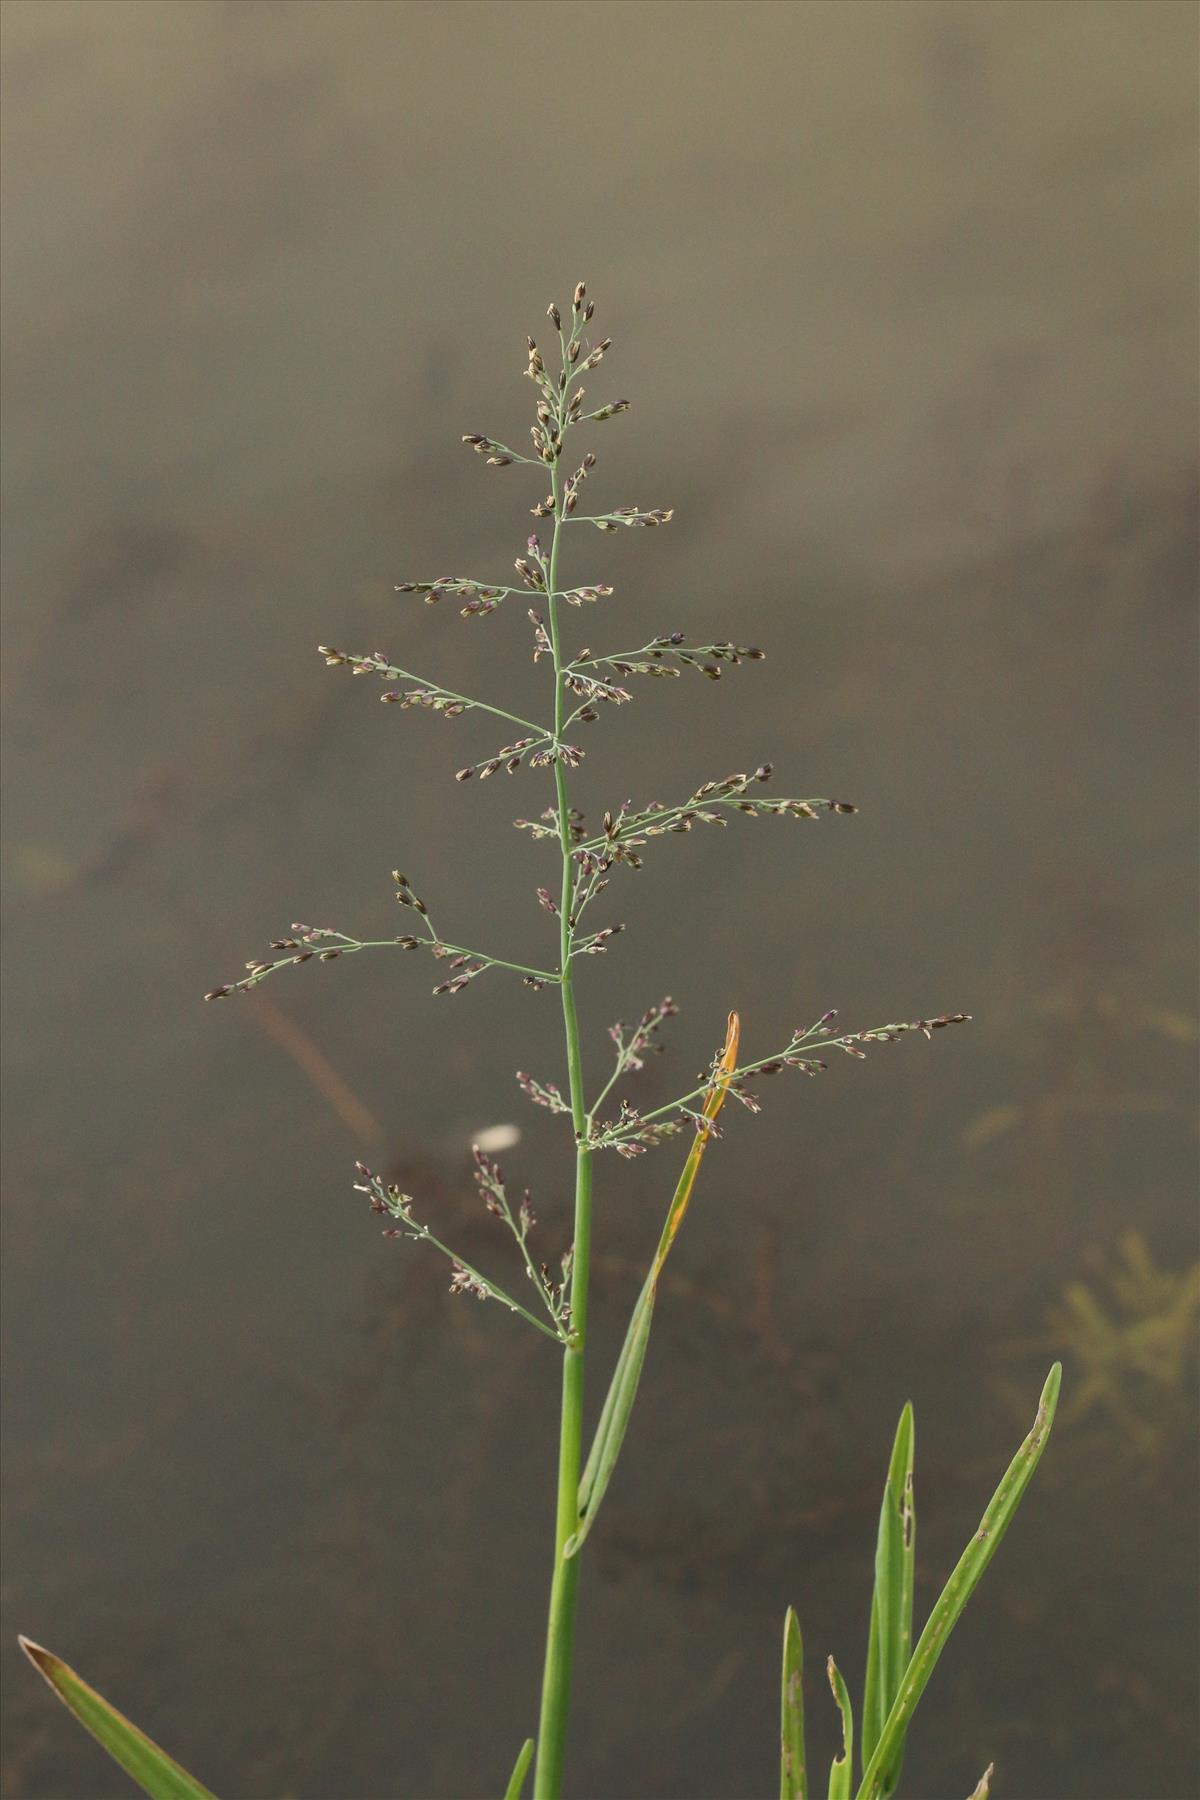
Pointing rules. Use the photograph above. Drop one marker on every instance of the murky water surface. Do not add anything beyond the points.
(905, 297)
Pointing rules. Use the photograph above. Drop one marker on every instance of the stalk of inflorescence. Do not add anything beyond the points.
(560, 1629)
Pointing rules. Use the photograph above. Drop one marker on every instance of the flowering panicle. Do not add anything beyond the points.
(583, 683)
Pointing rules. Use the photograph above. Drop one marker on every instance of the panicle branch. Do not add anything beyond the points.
(626, 515)
(326, 944)
(480, 597)
(626, 831)
(552, 1292)
(661, 654)
(429, 694)
(642, 1041)
(542, 1093)
(308, 943)
(387, 1200)
(499, 456)
(803, 1052)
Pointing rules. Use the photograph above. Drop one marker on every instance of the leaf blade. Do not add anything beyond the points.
(622, 1390)
(793, 1773)
(890, 1644)
(156, 1773)
(516, 1780)
(614, 1417)
(965, 1579)
(841, 1772)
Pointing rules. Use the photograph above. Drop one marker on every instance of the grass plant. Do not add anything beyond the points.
(602, 1124)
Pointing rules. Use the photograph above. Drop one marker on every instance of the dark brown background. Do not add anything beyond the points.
(905, 298)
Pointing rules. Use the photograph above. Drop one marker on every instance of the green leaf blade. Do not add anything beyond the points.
(793, 1772)
(622, 1390)
(961, 1585)
(890, 1644)
(841, 1773)
(614, 1415)
(156, 1773)
(516, 1780)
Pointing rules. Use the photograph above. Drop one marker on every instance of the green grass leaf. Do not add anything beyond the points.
(960, 1587)
(158, 1774)
(516, 1780)
(890, 1643)
(841, 1773)
(793, 1775)
(622, 1391)
(614, 1415)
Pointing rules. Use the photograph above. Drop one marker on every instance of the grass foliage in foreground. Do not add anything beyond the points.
(583, 686)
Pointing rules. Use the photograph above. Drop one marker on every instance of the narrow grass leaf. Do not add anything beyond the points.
(614, 1416)
(890, 1643)
(156, 1773)
(793, 1774)
(516, 1780)
(841, 1773)
(960, 1587)
(984, 1789)
(618, 1402)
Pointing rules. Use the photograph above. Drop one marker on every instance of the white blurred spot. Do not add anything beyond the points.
(498, 1137)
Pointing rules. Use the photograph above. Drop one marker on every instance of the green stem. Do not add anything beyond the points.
(560, 1631)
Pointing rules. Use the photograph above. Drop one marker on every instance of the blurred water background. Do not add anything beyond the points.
(905, 298)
